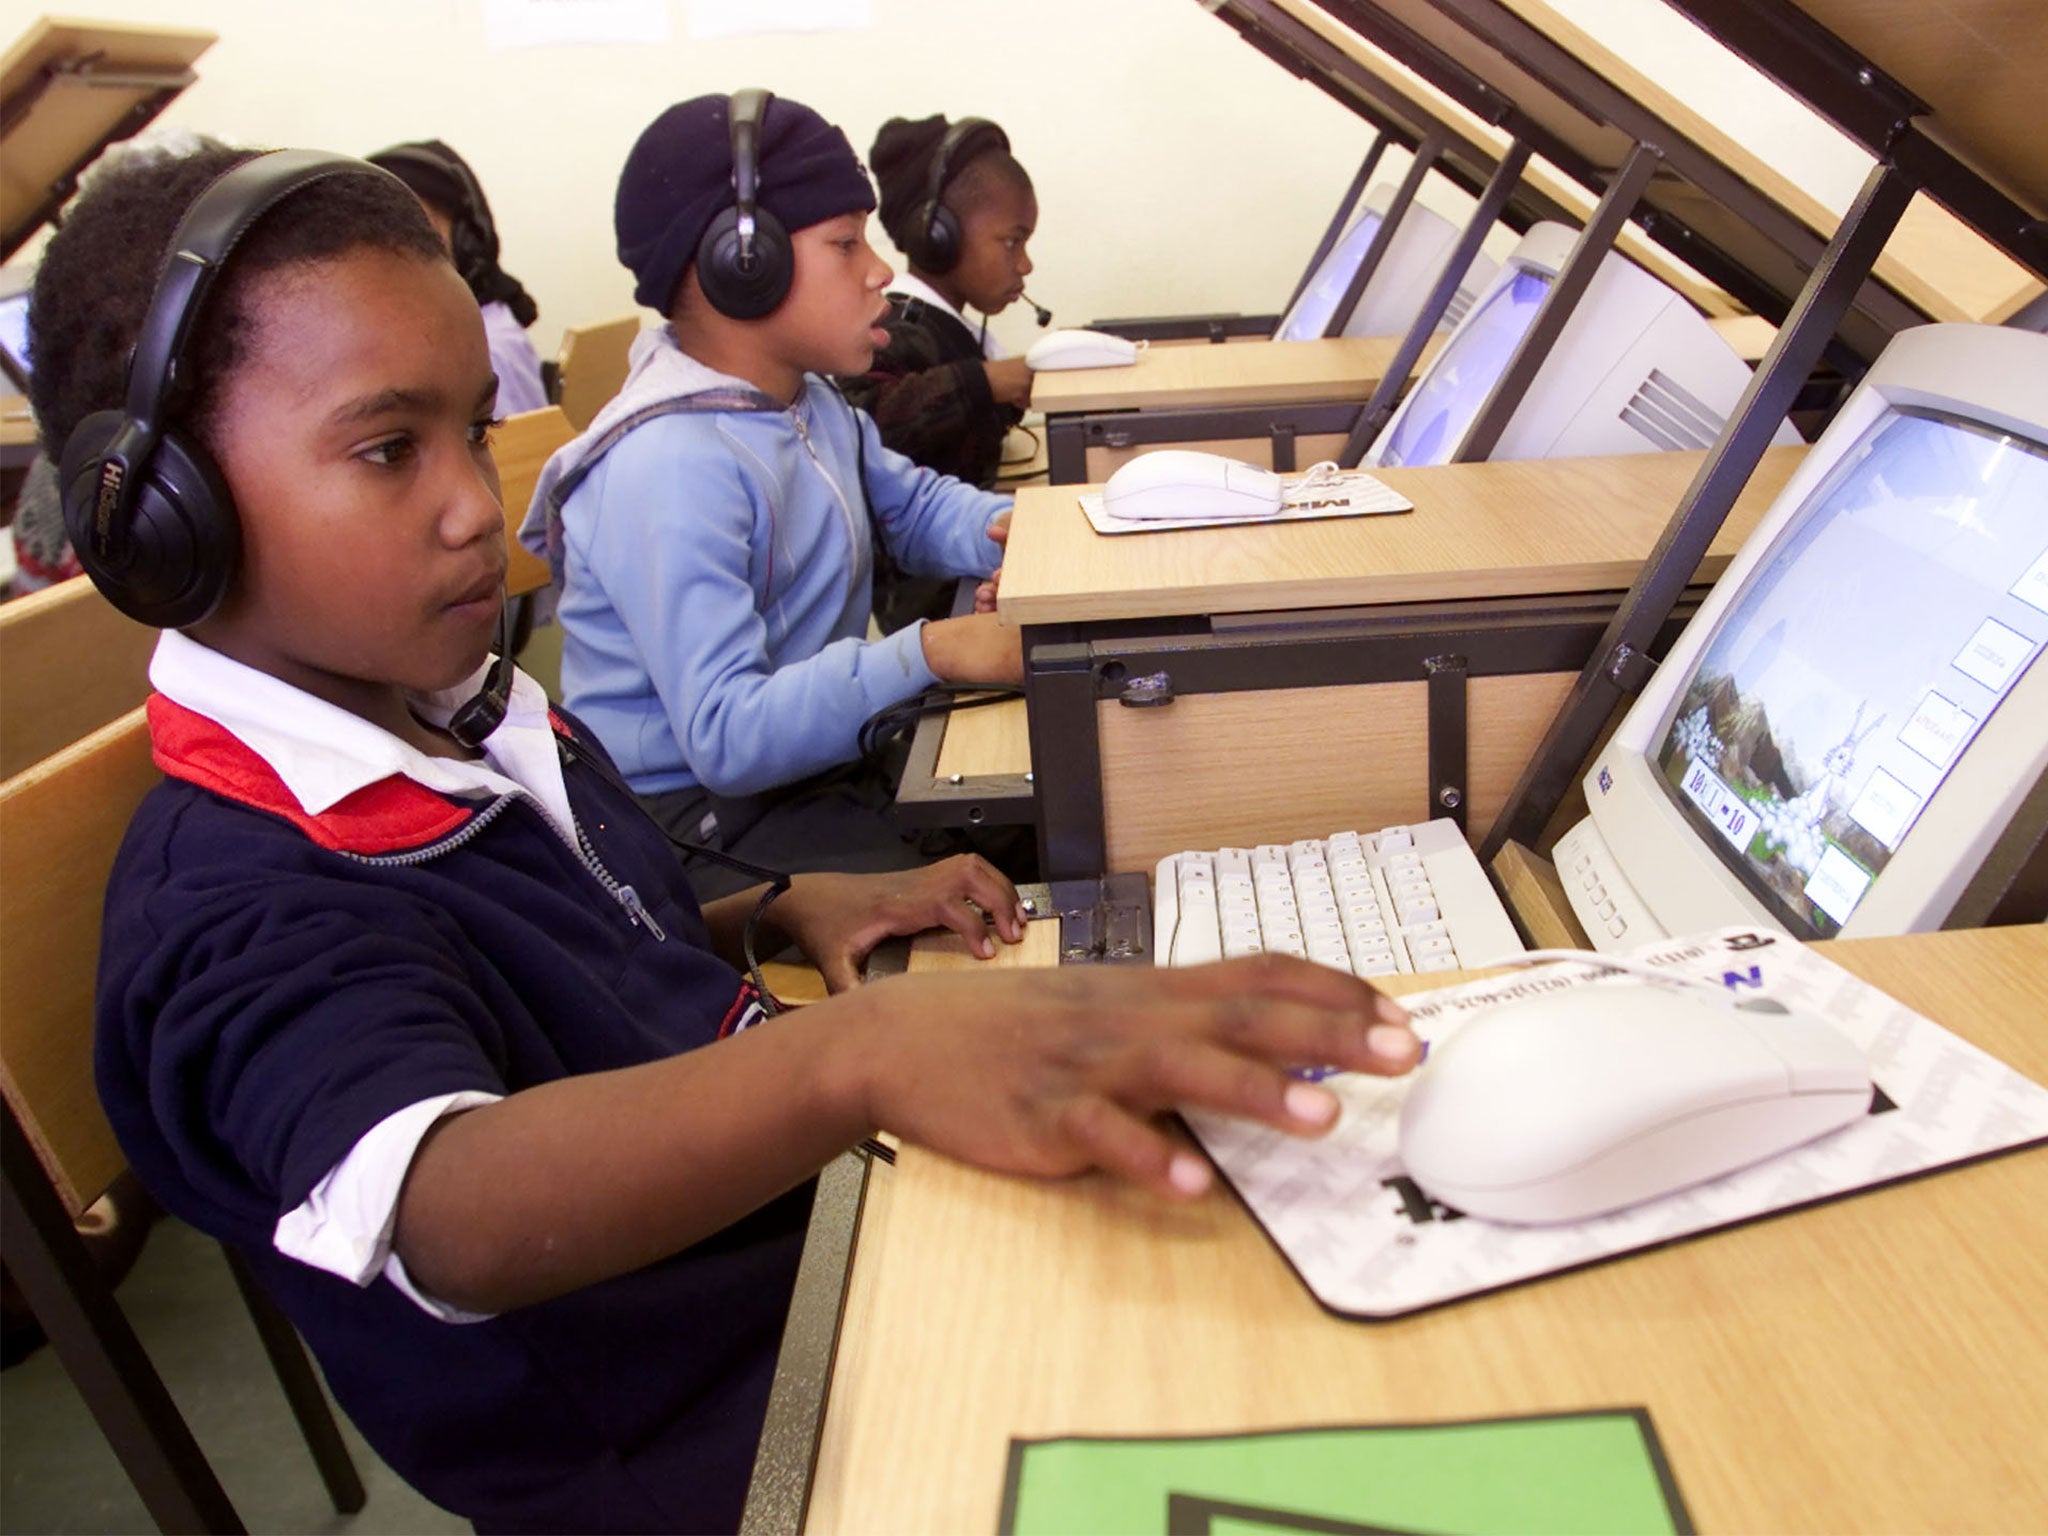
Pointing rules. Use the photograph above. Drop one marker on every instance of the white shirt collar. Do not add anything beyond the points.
(325, 754)
(911, 286)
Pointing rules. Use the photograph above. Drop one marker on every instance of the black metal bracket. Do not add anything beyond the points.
(1721, 478)
(1448, 732)
(1380, 407)
(1555, 312)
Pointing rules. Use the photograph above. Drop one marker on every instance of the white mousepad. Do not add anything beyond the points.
(1369, 1243)
(1348, 493)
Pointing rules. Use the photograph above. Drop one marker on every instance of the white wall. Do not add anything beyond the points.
(1178, 170)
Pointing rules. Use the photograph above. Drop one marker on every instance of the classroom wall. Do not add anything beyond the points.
(1178, 170)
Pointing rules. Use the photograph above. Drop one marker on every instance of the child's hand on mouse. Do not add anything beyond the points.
(975, 648)
(837, 920)
(1051, 1073)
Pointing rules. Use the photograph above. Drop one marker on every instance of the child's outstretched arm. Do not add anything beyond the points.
(1043, 1073)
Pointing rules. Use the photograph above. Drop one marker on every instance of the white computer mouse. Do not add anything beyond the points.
(1576, 1103)
(1081, 349)
(1184, 485)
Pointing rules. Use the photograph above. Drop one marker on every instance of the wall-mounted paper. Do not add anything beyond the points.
(559, 23)
(736, 18)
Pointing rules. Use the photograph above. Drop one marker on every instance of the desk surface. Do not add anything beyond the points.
(1245, 373)
(1876, 1364)
(1509, 529)
(1976, 63)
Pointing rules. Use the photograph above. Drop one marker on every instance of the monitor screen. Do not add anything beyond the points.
(1854, 669)
(1444, 404)
(1310, 315)
(14, 337)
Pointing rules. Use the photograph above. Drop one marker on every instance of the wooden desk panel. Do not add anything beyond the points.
(1876, 1364)
(1256, 373)
(1477, 531)
(1229, 770)
(990, 740)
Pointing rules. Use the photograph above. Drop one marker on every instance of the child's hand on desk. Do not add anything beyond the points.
(985, 594)
(975, 648)
(1009, 380)
(1051, 1073)
(837, 920)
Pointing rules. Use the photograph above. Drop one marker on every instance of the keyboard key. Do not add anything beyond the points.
(1395, 837)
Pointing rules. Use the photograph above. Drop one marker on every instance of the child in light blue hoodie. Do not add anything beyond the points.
(711, 531)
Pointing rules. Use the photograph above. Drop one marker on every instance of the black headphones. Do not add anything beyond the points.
(144, 505)
(744, 261)
(472, 235)
(934, 228)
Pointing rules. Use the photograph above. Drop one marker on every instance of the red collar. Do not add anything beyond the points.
(388, 816)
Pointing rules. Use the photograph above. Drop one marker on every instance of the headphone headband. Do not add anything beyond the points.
(211, 229)
(748, 115)
(950, 147)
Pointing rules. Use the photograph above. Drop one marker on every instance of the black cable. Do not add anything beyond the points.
(1035, 445)
(892, 720)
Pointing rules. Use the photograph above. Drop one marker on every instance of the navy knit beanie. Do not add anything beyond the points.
(679, 178)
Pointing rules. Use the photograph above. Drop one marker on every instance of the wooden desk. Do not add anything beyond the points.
(1878, 1364)
(1321, 673)
(1229, 398)
(68, 89)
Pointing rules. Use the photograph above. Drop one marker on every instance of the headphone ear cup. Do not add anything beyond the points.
(182, 542)
(941, 241)
(733, 291)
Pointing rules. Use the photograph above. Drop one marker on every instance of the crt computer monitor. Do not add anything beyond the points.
(1636, 369)
(1400, 284)
(1840, 737)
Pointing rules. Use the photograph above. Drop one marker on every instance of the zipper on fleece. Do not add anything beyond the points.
(859, 532)
(620, 892)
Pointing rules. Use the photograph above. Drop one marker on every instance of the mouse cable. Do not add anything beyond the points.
(892, 720)
(1036, 443)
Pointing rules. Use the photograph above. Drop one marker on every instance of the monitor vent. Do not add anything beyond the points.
(1671, 416)
(1461, 303)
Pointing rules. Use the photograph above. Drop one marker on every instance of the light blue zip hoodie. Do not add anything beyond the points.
(712, 556)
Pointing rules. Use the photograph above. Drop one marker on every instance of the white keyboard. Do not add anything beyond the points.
(1400, 899)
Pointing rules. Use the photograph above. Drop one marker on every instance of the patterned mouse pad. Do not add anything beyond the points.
(1314, 494)
(1369, 1243)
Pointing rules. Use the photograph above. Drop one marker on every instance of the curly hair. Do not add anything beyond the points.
(100, 269)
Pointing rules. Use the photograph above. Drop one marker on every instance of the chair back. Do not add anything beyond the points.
(592, 366)
(61, 823)
(523, 444)
(70, 661)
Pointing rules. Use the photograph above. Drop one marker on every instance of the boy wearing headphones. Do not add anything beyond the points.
(456, 207)
(710, 532)
(961, 209)
(399, 992)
